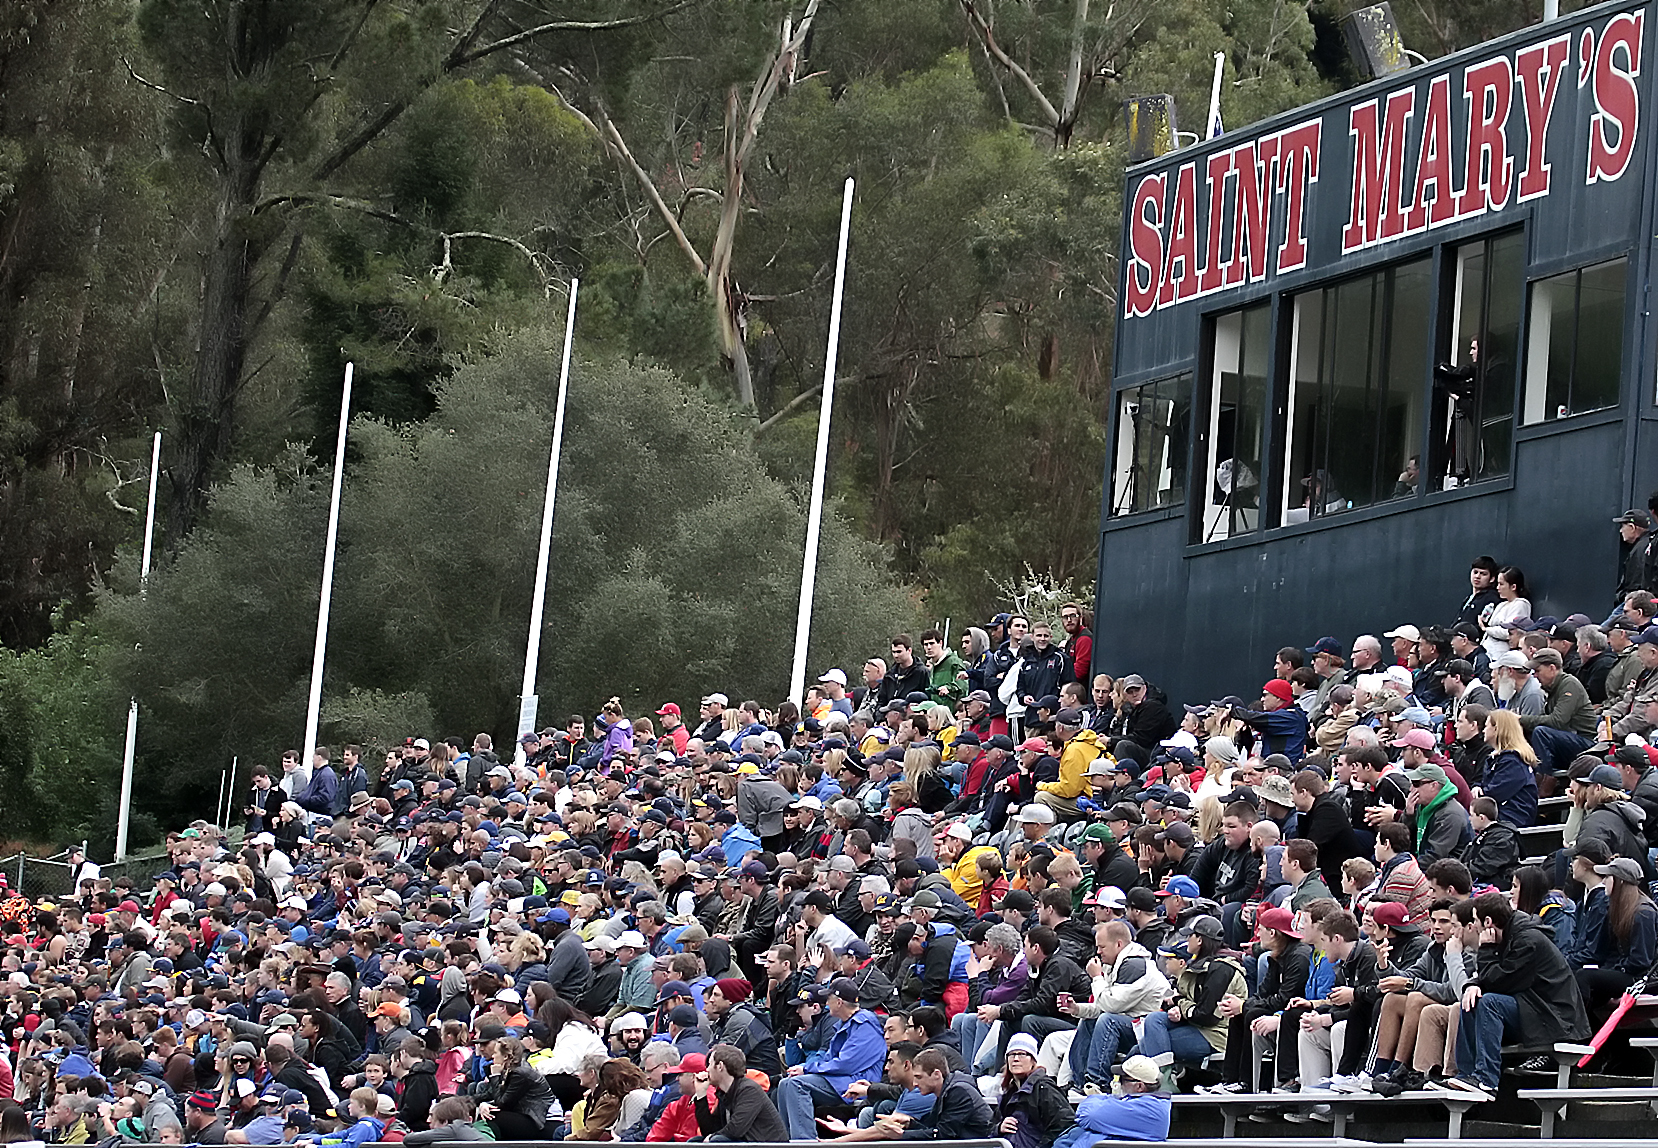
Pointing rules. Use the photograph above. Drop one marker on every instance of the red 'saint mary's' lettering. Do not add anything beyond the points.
(1403, 182)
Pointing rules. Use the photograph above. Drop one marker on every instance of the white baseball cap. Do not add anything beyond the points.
(632, 939)
(959, 830)
(837, 676)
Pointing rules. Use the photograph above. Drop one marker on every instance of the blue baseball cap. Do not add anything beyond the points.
(1180, 886)
(554, 917)
(1414, 713)
(1326, 645)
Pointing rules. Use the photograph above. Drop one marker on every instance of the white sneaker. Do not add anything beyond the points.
(1346, 1084)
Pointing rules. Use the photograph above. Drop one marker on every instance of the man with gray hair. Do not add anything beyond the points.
(660, 1060)
(1367, 658)
(996, 974)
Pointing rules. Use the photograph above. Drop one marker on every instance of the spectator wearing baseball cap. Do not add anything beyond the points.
(1080, 748)
(1566, 727)
(1282, 723)
(857, 1051)
(673, 728)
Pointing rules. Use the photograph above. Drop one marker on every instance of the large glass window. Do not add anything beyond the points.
(1574, 342)
(1474, 422)
(1148, 471)
(1236, 424)
(1357, 384)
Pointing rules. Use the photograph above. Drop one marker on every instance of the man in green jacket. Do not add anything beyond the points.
(1566, 727)
(949, 674)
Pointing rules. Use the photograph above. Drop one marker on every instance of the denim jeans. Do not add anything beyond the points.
(797, 1098)
(972, 1030)
(1556, 748)
(1096, 1047)
(1480, 1038)
(1187, 1043)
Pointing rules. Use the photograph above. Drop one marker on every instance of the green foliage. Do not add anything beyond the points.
(675, 570)
(60, 738)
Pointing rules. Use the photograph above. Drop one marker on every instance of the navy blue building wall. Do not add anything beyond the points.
(1203, 620)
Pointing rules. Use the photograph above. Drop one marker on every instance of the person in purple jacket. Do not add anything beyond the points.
(996, 972)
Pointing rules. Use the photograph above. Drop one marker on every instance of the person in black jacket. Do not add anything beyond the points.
(1144, 718)
(1228, 870)
(745, 1114)
(959, 1112)
(1254, 1020)
(922, 959)
(1524, 988)
(418, 1070)
(518, 1102)
(737, 1023)
(1036, 1009)
(1325, 823)
(906, 675)
(1104, 863)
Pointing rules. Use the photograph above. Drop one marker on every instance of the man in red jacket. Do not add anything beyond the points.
(678, 1122)
(1079, 645)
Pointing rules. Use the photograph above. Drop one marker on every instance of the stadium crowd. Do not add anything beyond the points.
(985, 891)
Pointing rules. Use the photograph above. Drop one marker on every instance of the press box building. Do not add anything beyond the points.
(1369, 340)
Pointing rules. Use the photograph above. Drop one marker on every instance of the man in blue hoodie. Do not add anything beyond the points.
(857, 1051)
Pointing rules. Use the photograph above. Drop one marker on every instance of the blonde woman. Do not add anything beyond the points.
(1509, 778)
(922, 769)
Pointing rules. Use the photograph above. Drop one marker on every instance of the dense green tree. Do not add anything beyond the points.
(83, 238)
(675, 570)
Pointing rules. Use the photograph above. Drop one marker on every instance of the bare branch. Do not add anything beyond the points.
(323, 199)
(569, 26)
(620, 147)
(155, 87)
(536, 259)
(982, 27)
(790, 407)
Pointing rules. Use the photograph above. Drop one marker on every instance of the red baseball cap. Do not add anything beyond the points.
(1279, 689)
(669, 708)
(1279, 919)
(128, 907)
(1035, 744)
(696, 1062)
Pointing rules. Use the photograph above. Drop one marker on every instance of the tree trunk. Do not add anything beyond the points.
(206, 414)
(1071, 104)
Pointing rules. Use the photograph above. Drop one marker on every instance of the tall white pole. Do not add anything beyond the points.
(1209, 131)
(527, 699)
(123, 821)
(313, 708)
(814, 516)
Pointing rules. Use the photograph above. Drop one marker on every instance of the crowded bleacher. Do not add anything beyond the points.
(992, 890)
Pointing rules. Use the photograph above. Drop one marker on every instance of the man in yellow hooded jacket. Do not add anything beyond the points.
(959, 862)
(1082, 746)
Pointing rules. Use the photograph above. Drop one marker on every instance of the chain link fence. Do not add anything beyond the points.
(37, 877)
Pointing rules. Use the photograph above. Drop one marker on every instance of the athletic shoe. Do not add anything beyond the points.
(1289, 1089)
(1075, 1097)
(1094, 1088)
(1346, 1084)
(1538, 1064)
(1459, 1086)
